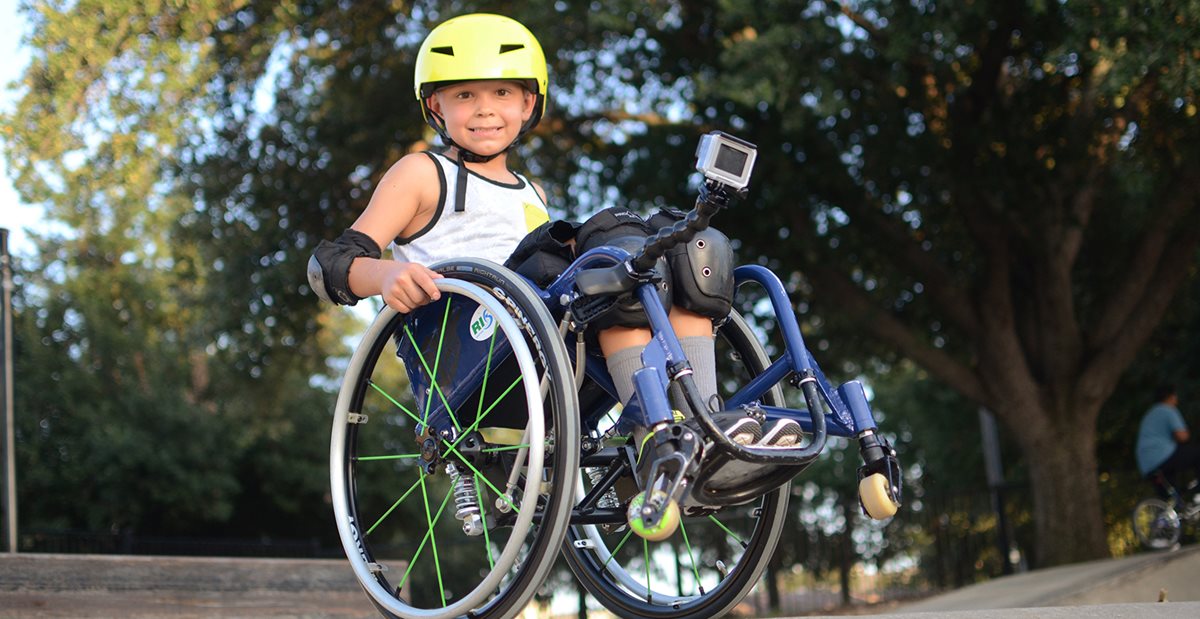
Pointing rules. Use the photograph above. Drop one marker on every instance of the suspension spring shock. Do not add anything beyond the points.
(466, 507)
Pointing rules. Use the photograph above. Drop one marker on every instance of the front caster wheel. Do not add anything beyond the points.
(666, 525)
(875, 493)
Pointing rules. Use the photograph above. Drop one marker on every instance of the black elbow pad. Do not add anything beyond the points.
(329, 266)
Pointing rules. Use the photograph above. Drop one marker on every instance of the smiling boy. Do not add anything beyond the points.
(481, 81)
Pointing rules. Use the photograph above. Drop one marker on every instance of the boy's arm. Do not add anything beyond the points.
(405, 199)
(540, 192)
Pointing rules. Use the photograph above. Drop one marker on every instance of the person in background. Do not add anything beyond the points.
(1164, 443)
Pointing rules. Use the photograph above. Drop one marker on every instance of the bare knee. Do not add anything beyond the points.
(688, 323)
(685, 322)
(614, 339)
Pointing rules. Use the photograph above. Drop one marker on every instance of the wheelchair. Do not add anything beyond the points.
(477, 438)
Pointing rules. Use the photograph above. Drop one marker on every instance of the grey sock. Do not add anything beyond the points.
(703, 357)
(621, 365)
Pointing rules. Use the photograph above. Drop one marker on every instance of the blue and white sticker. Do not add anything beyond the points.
(483, 324)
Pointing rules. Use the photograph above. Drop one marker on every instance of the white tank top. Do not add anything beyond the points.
(497, 216)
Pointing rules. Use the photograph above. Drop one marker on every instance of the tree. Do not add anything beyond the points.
(1003, 194)
(1000, 193)
(142, 387)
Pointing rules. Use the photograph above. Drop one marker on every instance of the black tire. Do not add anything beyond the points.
(384, 434)
(745, 534)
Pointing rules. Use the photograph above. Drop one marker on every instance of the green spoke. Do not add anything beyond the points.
(452, 446)
(618, 548)
(433, 384)
(510, 448)
(646, 556)
(437, 362)
(394, 457)
(394, 506)
(393, 401)
(487, 538)
(487, 371)
(475, 425)
(421, 547)
(433, 540)
(726, 529)
(480, 475)
(691, 558)
(493, 404)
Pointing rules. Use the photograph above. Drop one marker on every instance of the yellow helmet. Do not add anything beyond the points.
(480, 46)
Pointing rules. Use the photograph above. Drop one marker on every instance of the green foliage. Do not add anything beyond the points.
(110, 436)
(150, 402)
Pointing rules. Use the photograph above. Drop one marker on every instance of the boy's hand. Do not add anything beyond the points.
(408, 285)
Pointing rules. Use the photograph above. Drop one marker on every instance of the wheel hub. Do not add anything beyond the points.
(431, 451)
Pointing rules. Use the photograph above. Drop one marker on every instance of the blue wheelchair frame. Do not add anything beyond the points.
(850, 413)
(609, 269)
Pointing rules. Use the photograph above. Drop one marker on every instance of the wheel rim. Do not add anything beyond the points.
(397, 523)
(713, 559)
(689, 571)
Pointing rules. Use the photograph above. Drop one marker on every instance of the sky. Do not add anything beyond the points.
(13, 59)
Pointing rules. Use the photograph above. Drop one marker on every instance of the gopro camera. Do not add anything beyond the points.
(725, 159)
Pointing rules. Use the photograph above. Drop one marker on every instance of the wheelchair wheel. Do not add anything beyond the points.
(1156, 524)
(714, 558)
(454, 449)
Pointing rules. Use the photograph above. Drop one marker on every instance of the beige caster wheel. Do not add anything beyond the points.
(665, 527)
(876, 496)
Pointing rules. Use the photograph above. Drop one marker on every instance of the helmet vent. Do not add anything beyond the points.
(510, 47)
(449, 51)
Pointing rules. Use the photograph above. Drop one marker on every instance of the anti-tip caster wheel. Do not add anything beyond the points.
(875, 493)
(666, 525)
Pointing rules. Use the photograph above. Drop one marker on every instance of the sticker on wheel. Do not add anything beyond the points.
(483, 324)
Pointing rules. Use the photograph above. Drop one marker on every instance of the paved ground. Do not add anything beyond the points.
(1134, 579)
(1113, 589)
(42, 585)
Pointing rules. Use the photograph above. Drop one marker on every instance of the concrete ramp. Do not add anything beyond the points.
(1135, 579)
(1127, 588)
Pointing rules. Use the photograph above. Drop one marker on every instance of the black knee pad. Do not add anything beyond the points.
(702, 270)
(625, 229)
(610, 223)
(544, 253)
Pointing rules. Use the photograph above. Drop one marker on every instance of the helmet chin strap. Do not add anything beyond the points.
(464, 157)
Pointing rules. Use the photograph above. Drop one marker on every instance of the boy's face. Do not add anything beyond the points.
(484, 116)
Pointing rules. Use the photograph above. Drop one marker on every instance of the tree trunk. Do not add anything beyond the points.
(1066, 494)
(846, 547)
